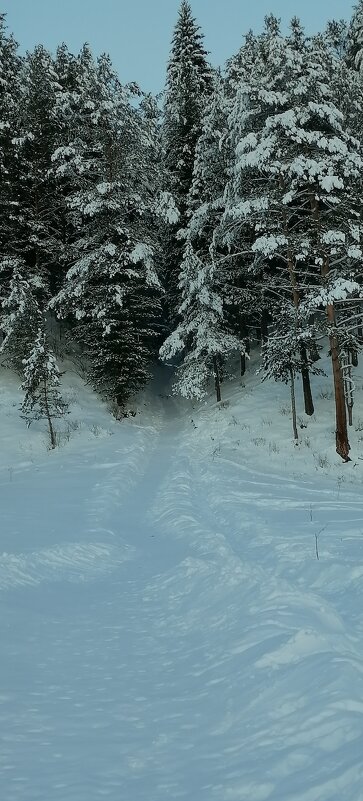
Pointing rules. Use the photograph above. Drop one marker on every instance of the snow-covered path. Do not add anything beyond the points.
(168, 632)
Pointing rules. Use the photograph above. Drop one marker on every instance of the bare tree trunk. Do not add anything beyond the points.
(341, 432)
(341, 429)
(264, 325)
(348, 386)
(243, 356)
(360, 326)
(53, 441)
(305, 375)
(293, 404)
(217, 380)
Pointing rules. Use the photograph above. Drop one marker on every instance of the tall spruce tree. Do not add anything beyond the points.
(38, 236)
(354, 49)
(204, 337)
(111, 293)
(336, 37)
(188, 84)
(297, 176)
(10, 93)
(19, 315)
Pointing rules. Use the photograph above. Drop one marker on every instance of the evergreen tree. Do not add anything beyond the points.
(246, 296)
(204, 337)
(201, 336)
(42, 399)
(354, 51)
(299, 170)
(336, 37)
(10, 64)
(112, 292)
(189, 83)
(20, 315)
(285, 355)
(38, 229)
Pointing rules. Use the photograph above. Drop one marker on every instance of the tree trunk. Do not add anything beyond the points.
(341, 429)
(305, 375)
(53, 441)
(264, 325)
(341, 432)
(360, 326)
(243, 355)
(348, 387)
(293, 404)
(217, 380)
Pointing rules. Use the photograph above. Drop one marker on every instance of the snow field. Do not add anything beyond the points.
(168, 630)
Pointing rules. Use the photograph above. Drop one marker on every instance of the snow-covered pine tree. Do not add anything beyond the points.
(335, 173)
(206, 200)
(240, 65)
(41, 385)
(20, 315)
(67, 101)
(286, 353)
(248, 300)
(265, 95)
(336, 37)
(354, 49)
(303, 172)
(201, 337)
(10, 64)
(38, 226)
(112, 292)
(204, 337)
(188, 84)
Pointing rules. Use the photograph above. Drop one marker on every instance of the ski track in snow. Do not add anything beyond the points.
(168, 632)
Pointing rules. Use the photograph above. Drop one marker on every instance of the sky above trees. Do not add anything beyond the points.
(137, 34)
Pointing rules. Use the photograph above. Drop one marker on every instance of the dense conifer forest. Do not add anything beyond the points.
(191, 228)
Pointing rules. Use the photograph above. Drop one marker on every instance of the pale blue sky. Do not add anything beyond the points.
(137, 33)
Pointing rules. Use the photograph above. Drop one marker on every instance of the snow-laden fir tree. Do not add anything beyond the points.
(297, 174)
(68, 94)
(284, 358)
(354, 49)
(188, 85)
(336, 37)
(112, 292)
(41, 386)
(38, 236)
(203, 338)
(248, 301)
(240, 65)
(262, 93)
(20, 315)
(10, 64)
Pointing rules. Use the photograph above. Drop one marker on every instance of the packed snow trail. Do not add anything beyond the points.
(167, 630)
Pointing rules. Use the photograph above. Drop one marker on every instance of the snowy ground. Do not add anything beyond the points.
(167, 630)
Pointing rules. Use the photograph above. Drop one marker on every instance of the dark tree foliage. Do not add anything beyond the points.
(188, 85)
